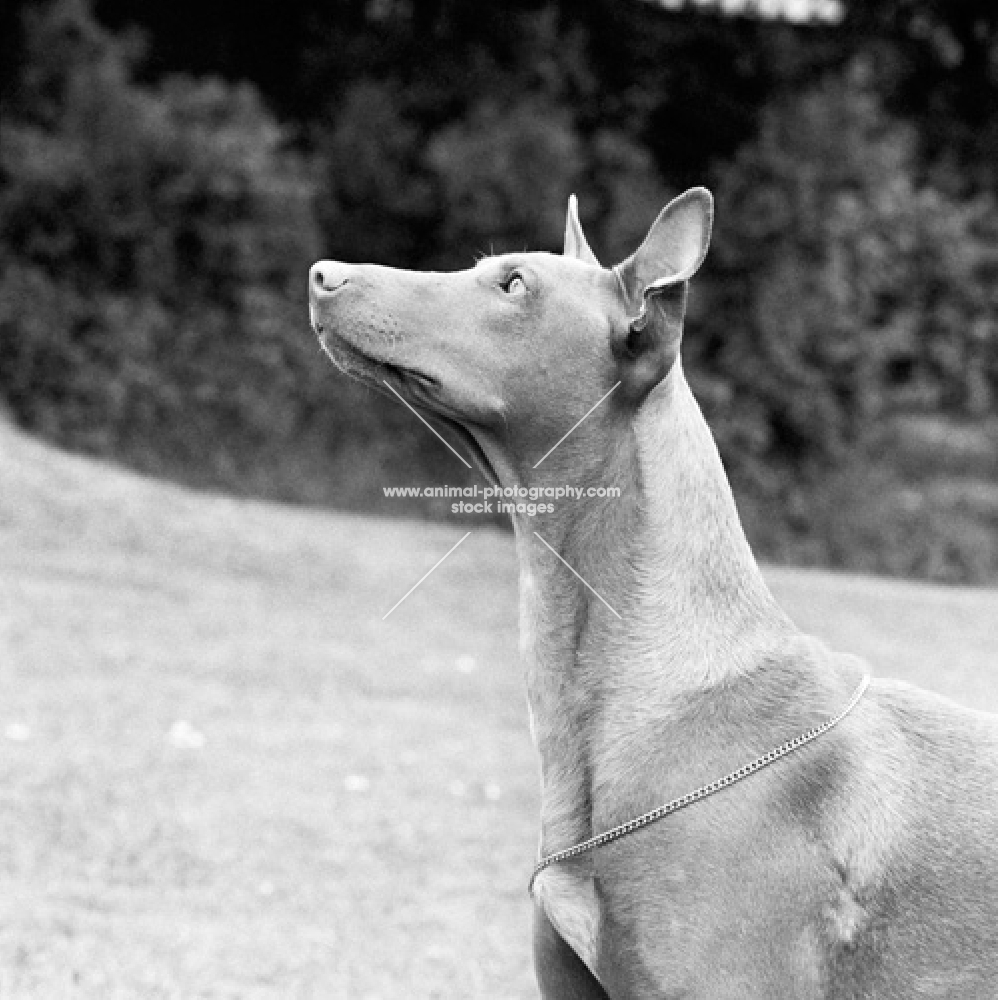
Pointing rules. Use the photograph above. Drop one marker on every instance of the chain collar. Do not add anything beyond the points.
(701, 793)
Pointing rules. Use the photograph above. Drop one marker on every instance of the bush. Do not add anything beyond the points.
(844, 293)
(154, 242)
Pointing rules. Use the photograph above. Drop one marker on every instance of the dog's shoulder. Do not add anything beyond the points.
(920, 765)
(954, 748)
(913, 841)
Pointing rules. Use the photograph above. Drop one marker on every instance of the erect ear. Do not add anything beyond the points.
(654, 281)
(575, 240)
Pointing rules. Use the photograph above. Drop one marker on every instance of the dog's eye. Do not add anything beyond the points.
(514, 284)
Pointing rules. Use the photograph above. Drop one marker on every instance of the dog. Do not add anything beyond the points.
(861, 862)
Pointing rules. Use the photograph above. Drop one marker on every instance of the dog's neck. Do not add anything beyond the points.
(670, 559)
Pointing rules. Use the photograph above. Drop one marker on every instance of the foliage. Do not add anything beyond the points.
(153, 239)
(937, 63)
(845, 290)
(846, 294)
(155, 229)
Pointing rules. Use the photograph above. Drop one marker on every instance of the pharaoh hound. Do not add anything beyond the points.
(728, 808)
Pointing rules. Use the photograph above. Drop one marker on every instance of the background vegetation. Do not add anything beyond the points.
(168, 172)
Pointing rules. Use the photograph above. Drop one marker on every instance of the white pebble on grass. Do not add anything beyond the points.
(185, 736)
(465, 664)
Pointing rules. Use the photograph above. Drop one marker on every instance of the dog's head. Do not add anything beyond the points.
(512, 352)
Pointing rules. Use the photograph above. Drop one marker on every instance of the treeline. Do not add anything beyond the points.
(165, 187)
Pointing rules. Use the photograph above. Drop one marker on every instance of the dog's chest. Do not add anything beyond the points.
(570, 903)
(690, 917)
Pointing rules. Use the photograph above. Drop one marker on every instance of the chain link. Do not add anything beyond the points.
(701, 793)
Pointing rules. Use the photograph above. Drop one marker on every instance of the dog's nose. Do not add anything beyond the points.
(326, 277)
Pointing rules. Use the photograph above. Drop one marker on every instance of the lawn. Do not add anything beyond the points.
(222, 775)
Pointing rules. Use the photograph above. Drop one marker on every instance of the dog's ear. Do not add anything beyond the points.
(654, 281)
(575, 240)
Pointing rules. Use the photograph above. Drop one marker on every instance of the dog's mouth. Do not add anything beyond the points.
(468, 441)
(411, 377)
(423, 398)
(414, 387)
(374, 372)
(361, 366)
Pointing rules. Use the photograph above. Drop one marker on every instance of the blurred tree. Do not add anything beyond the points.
(845, 290)
(938, 67)
(846, 287)
(153, 242)
(686, 82)
(686, 85)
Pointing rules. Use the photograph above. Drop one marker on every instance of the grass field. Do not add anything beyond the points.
(223, 776)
